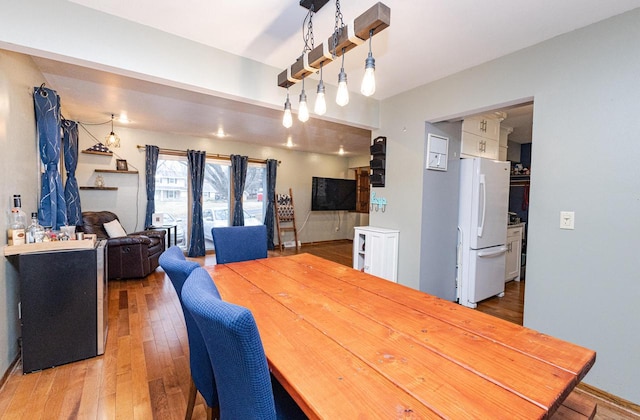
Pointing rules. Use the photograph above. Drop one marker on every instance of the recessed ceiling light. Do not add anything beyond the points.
(341, 151)
(289, 141)
(220, 133)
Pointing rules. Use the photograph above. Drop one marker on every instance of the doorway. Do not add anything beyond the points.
(518, 129)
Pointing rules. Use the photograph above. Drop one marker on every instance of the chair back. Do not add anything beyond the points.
(239, 243)
(178, 269)
(235, 350)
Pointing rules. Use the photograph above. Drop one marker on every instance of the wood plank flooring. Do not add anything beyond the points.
(144, 372)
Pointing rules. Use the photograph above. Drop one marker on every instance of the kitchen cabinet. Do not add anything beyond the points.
(481, 137)
(503, 142)
(375, 251)
(514, 252)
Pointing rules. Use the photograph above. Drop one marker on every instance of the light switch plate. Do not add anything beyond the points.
(567, 220)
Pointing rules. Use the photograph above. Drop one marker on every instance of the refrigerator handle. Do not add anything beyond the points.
(483, 205)
(493, 253)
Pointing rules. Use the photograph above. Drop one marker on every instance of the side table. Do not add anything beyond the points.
(170, 236)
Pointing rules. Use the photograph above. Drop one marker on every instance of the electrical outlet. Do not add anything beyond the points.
(567, 220)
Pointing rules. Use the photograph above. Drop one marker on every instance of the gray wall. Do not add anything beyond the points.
(18, 175)
(440, 217)
(582, 285)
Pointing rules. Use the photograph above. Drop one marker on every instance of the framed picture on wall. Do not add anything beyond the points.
(121, 165)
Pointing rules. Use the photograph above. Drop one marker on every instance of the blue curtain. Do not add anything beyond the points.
(71, 190)
(239, 173)
(52, 209)
(150, 165)
(272, 166)
(196, 160)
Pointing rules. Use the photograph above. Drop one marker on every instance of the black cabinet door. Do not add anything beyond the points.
(58, 293)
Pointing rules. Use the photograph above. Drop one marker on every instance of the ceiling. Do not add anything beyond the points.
(427, 40)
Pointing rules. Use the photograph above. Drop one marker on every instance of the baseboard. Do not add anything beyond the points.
(610, 398)
(291, 244)
(12, 366)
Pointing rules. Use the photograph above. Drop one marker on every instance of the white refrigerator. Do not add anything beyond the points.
(482, 229)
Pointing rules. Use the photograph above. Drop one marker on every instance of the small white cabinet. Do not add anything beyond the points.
(481, 137)
(375, 251)
(514, 252)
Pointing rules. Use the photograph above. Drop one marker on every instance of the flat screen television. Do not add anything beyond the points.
(333, 194)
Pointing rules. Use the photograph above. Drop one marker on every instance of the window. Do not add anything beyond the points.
(172, 195)
(254, 191)
(216, 192)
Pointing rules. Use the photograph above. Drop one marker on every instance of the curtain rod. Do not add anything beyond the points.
(173, 152)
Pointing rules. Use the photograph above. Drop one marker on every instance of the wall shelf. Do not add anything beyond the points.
(91, 152)
(100, 188)
(114, 171)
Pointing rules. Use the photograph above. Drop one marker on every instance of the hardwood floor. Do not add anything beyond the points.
(509, 307)
(144, 372)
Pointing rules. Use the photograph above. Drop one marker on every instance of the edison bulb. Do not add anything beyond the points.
(368, 86)
(321, 104)
(342, 97)
(287, 119)
(303, 111)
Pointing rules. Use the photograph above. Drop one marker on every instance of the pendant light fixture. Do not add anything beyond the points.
(342, 97)
(368, 86)
(344, 38)
(287, 119)
(112, 140)
(303, 110)
(321, 104)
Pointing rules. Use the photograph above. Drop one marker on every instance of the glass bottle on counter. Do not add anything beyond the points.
(35, 232)
(16, 231)
(17, 204)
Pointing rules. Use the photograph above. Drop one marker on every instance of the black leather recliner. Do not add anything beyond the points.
(132, 256)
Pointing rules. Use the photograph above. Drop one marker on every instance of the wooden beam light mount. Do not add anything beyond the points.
(373, 21)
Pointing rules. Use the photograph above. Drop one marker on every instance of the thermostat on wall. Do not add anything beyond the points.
(437, 152)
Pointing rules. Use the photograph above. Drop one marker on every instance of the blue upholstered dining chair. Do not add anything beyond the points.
(246, 390)
(239, 243)
(178, 269)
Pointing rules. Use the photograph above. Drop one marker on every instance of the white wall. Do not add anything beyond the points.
(582, 285)
(18, 175)
(295, 171)
(79, 35)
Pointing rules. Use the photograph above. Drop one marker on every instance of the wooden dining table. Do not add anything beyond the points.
(349, 345)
